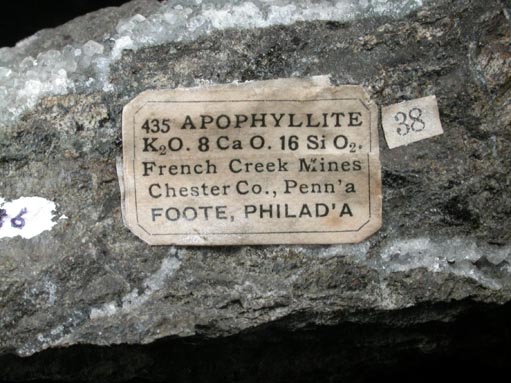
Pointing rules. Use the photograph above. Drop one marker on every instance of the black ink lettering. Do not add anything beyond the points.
(346, 210)
(353, 119)
(325, 120)
(151, 193)
(277, 120)
(402, 131)
(188, 124)
(148, 145)
(292, 121)
(309, 121)
(337, 118)
(224, 125)
(261, 119)
(240, 119)
(205, 120)
(148, 167)
(417, 123)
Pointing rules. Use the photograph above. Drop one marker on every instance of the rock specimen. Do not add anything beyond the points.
(445, 243)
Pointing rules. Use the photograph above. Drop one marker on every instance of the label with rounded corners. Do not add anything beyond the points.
(288, 161)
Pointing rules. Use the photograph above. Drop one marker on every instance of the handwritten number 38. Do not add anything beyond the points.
(416, 125)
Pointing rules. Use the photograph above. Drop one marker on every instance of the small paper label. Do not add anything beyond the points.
(272, 162)
(411, 121)
(26, 217)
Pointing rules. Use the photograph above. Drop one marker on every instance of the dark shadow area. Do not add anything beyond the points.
(474, 347)
(21, 19)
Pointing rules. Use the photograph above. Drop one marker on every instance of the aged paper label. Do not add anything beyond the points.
(271, 162)
(411, 121)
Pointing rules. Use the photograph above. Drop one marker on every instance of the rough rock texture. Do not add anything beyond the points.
(444, 248)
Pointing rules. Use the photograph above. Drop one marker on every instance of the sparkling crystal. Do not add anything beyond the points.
(24, 80)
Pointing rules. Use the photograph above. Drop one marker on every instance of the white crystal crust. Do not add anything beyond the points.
(85, 67)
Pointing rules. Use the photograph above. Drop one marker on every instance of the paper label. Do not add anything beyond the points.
(411, 121)
(271, 162)
(26, 217)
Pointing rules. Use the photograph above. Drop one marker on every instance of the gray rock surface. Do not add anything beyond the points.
(446, 235)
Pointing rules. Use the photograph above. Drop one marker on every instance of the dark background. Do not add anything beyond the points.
(20, 19)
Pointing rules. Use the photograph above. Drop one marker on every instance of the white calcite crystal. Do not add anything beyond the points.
(84, 68)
